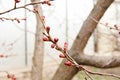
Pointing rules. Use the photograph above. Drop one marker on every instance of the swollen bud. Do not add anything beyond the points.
(56, 39)
(44, 2)
(17, 1)
(13, 77)
(23, 19)
(48, 29)
(48, 3)
(119, 32)
(53, 45)
(45, 39)
(68, 63)
(65, 46)
(36, 9)
(62, 56)
(116, 26)
(1, 55)
(43, 18)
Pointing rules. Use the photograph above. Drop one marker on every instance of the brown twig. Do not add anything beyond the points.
(110, 27)
(33, 3)
(12, 19)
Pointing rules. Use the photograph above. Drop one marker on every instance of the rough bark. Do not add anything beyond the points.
(66, 73)
(37, 67)
(107, 60)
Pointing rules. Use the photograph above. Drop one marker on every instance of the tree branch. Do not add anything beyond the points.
(24, 6)
(106, 60)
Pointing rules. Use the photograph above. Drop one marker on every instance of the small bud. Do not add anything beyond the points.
(23, 19)
(48, 3)
(48, 29)
(13, 77)
(116, 26)
(106, 24)
(53, 45)
(56, 39)
(68, 63)
(44, 2)
(1, 55)
(43, 18)
(36, 9)
(62, 56)
(45, 39)
(65, 46)
(18, 21)
(17, 1)
(119, 32)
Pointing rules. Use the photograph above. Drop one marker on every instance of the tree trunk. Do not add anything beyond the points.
(37, 67)
(65, 72)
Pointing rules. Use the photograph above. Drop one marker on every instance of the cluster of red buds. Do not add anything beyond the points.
(47, 37)
(46, 2)
(115, 27)
(12, 76)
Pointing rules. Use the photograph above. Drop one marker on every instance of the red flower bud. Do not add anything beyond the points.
(119, 32)
(36, 9)
(53, 45)
(65, 46)
(62, 56)
(48, 29)
(44, 2)
(116, 26)
(23, 19)
(13, 77)
(17, 1)
(43, 18)
(45, 39)
(56, 39)
(1, 55)
(48, 3)
(68, 63)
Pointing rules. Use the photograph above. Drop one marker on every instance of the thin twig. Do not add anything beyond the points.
(88, 75)
(98, 73)
(33, 3)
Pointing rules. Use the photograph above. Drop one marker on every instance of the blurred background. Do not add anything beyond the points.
(65, 17)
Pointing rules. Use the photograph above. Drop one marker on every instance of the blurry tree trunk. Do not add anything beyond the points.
(39, 48)
(65, 72)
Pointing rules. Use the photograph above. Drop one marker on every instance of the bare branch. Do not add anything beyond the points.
(33, 3)
(107, 60)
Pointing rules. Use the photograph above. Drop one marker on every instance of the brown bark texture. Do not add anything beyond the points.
(37, 67)
(107, 60)
(65, 72)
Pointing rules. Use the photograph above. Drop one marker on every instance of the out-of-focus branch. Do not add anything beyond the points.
(24, 6)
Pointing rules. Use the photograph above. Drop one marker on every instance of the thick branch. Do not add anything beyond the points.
(99, 60)
(89, 25)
